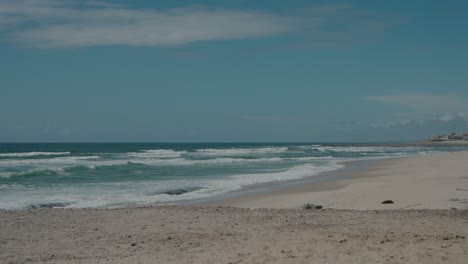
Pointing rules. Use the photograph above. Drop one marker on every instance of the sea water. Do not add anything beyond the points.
(119, 175)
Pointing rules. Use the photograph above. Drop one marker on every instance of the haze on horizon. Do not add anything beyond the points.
(232, 71)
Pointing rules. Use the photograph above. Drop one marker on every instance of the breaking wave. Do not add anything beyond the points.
(48, 205)
(157, 153)
(33, 172)
(61, 160)
(34, 153)
(241, 151)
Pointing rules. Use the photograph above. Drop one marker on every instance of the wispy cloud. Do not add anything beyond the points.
(390, 123)
(425, 102)
(422, 107)
(51, 23)
(69, 23)
(455, 116)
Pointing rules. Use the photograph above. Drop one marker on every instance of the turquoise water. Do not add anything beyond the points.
(116, 175)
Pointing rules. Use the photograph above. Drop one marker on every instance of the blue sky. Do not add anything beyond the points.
(232, 70)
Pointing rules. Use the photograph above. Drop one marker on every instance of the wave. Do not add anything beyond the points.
(48, 205)
(351, 149)
(185, 162)
(207, 188)
(6, 175)
(241, 151)
(297, 172)
(61, 160)
(10, 187)
(33, 172)
(310, 158)
(71, 166)
(178, 191)
(180, 161)
(362, 149)
(34, 153)
(157, 153)
(121, 194)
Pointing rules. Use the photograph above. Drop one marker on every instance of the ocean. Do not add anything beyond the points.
(88, 175)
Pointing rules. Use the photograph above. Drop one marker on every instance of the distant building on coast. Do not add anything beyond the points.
(450, 137)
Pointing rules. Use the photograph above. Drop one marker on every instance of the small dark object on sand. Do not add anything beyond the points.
(312, 206)
(387, 202)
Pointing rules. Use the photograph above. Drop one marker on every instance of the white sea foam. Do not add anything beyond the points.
(241, 151)
(34, 153)
(10, 174)
(92, 162)
(294, 173)
(310, 158)
(351, 149)
(233, 183)
(363, 149)
(184, 161)
(6, 174)
(61, 160)
(157, 153)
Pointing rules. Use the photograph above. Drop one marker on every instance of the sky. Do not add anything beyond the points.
(232, 70)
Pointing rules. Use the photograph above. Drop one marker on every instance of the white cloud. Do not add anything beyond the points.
(52, 23)
(82, 23)
(390, 123)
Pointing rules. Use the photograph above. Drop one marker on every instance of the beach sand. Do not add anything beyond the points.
(176, 234)
(436, 181)
(233, 235)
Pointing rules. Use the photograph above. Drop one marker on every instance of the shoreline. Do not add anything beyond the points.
(435, 181)
(268, 187)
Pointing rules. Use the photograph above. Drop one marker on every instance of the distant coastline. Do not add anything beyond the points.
(450, 137)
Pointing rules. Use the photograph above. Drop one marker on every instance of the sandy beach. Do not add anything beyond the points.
(436, 181)
(233, 235)
(427, 223)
